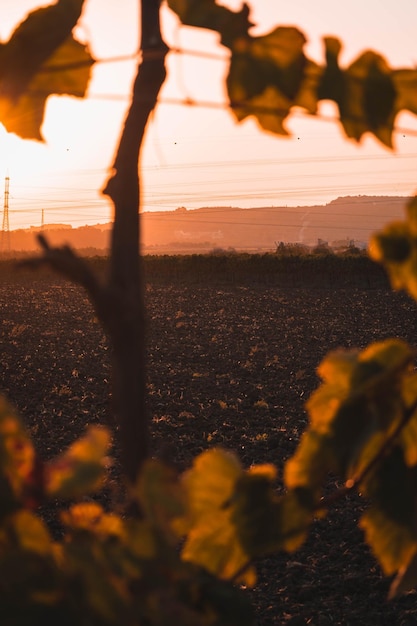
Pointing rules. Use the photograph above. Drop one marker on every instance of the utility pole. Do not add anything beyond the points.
(43, 219)
(5, 231)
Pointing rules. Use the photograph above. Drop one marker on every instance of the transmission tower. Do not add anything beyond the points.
(5, 231)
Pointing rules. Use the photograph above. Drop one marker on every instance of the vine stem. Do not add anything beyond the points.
(119, 299)
(126, 319)
(354, 483)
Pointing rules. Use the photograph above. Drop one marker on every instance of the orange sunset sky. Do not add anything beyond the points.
(197, 156)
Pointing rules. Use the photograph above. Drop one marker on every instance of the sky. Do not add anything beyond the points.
(197, 155)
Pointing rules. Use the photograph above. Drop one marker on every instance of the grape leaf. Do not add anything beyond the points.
(396, 248)
(30, 532)
(365, 93)
(91, 517)
(351, 414)
(390, 523)
(266, 522)
(406, 579)
(211, 537)
(408, 435)
(81, 468)
(19, 480)
(360, 382)
(270, 74)
(161, 498)
(405, 82)
(256, 511)
(40, 59)
(311, 462)
(208, 14)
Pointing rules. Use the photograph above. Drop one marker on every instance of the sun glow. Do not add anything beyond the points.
(196, 155)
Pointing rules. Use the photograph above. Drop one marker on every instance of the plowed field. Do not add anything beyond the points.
(229, 365)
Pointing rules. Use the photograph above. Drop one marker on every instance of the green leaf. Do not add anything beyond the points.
(41, 58)
(210, 482)
(81, 468)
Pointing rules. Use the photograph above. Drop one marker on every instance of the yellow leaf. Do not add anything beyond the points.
(81, 468)
(17, 454)
(31, 533)
(311, 462)
(396, 248)
(408, 434)
(41, 59)
(91, 517)
(213, 544)
(211, 536)
(210, 482)
(392, 544)
(406, 579)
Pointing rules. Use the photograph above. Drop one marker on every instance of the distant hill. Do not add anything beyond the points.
(348, 218)
(351, 218)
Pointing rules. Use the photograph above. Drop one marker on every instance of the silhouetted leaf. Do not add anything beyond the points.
(208, 14)
(405, 82)
(270, 74)
(40, 59)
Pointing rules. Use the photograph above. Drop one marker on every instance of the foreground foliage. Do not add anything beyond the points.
(196, 535)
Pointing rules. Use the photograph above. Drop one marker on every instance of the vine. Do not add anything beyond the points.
(188, 540)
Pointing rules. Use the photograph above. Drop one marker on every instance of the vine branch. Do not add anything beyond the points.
(353, 483)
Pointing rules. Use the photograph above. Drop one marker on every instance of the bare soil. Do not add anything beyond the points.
(229, 365)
